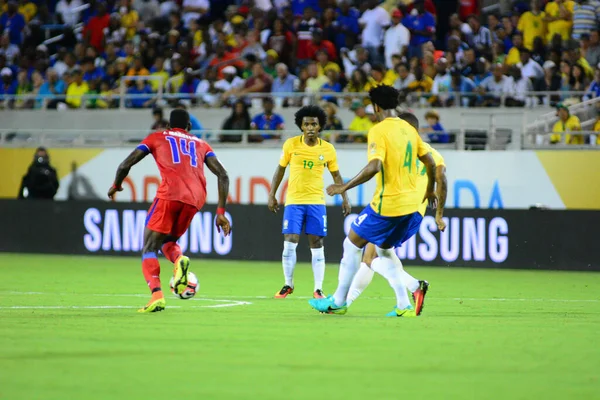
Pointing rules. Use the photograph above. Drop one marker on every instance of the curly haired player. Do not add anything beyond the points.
(308, 156)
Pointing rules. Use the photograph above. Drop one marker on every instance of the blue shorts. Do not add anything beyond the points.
(386, 231)
(311, 217)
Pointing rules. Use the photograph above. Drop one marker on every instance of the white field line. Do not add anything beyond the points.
(222, 303)
(228, 298)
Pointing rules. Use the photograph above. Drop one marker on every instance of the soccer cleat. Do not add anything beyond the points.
(157, 303)
(408, 312)
(284, 292)
(419, 296)
(180, 274)
(326, 305)
(318, 294)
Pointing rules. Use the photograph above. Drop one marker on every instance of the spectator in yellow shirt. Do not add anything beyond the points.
(597, 129)
(361, 122)
(129, 19)
(76, 89)
(566, 123)
(324, 65)
(514, 54)
(559, 16)
(532, 24)
(158, 71)
(378, 78)
(28, 9)
(422, 82)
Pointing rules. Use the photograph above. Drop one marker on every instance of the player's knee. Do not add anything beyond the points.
(368, 258)
(292, 238)
(384, 252)
(315, 242)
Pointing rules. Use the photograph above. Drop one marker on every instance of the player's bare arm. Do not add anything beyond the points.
(133, 158)
(368, 172)
(442, 192)
(215, 166)
(430, 195)
(337, 178)
(275, 182)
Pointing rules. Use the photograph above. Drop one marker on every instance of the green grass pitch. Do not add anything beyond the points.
(69, 330)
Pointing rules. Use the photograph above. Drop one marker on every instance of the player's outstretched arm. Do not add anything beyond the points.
(217, 168)
(442, 192)
(430, 195)
(275, 182)
(368, 172)
(337, 178)
(133, 158)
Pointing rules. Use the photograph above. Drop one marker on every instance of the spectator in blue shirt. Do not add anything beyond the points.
(53, 86)
(463, 86)
(140, 88)
(13, 22)
(8, 86)
(332, 85)
(284, 83)
(594, 89)
(266, 121)
(347, 20)
(435, 131)
(189, 85)
(421, 27)
(298, 6)
(90, 71)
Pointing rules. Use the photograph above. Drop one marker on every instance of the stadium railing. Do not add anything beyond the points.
(462, 139)
(542, 141)
(424, 100)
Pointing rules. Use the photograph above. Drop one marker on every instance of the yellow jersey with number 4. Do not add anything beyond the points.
(307, 166)
(422, 179)
(398, 145)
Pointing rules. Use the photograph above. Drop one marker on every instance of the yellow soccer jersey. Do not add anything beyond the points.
(422, 175)
(398, 145)
(570, 125)
(562, 27)
(307, 165)
(532, 26)
(597, 129)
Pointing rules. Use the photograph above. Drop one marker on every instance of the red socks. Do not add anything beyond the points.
(151, 270)
(172, 251)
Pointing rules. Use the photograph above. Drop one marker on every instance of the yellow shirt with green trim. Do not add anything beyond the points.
(532, 26)
(570, 125)
(398, 145)
(422, 179)
(307, 166)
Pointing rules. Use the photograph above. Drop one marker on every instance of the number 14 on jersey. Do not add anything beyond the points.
(183, 147)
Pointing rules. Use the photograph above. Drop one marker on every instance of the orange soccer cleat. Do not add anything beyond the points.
(419, 296)
(157, 303)
(284, 292)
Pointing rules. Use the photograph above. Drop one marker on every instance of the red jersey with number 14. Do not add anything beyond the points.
(180, 159)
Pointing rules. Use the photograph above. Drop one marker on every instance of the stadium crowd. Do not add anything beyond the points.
(220, 53)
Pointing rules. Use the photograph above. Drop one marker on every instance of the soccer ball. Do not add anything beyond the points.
(191, 289)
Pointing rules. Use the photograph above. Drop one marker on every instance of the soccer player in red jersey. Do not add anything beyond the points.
(180, 158)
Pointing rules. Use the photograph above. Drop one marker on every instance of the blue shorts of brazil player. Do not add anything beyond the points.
(311, 217)
(386, 231)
